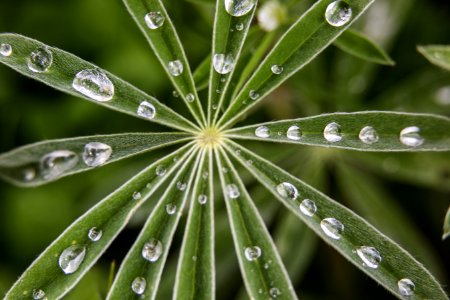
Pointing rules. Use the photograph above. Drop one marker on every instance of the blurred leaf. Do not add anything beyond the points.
(437, 55)
(446, 225)
(201, 74)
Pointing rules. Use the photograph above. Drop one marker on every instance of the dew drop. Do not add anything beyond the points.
(38, 294)
(308, 207)
(287, 190)
(5, 50)
(202, 199)
(94, 84)
(181, 185)
(57, 162)
(152, 250)
(175, 94)
(146, 110)
(138, 285)
(96, 154)
(274, 292)
(232, 191)
(338, 13)
(175, 67)
(368, 135)
(252, 253)
(136, 196)
(238, 8)
(239, 26)
(95, 234)
(223, 63)
(262, 132)
(294, 133)
(71, 258)
(332, 132)
(406, 287)
(171, 208)
(40, 60)
(370, 256)
(29, 174)
(253, 94)
(332, 228)
(410, 136)
(154, 19)
(190, 97)
(160, 170)
(205, 175)
(276, 69)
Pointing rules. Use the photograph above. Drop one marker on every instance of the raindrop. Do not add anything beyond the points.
(370, 256)
(338, 13)
(96, 154)
(95, 234)
(410, 136)
(40, 60)
(406, 287)
(152, 250)
(252, 253)
(232, 191)
(190, 97)
(239, 26)
(276, 69)
(154, 19)
(253, 94)
(146, 110)
(368, 135)
(57, 162)
(274, 292)
(223, 63)
(238, 8)
(38, 294)
(332, 228)
(287, 190)
(94, 84)
(136, 196)
(308, 207)
(262, 132)
(332, 132)
(175, 67)
(181, 185)
(71, 258)
(294, 133)
(171, 208)
(202, 199)
(5, 49)
(138, 285)
(160, 170)
(28, 174)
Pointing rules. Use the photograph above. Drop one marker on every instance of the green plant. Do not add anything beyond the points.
(187, 173)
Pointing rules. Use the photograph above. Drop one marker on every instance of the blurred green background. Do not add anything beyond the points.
(405, 195)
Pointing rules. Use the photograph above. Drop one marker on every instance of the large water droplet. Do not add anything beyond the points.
(238, 8)
(276, 69)
(138, 285)
(332, 132)
(160, 170)
(154, 19)
(308, 207)
(262, 132)
(181, 185)
(368, 135)
(223, 63)
(338, 13)
(252, 253)
(5, 50)
(294, 133)
(175, 68)
(332, 228)
(96, 154)
(274, 292)
(406, 287)
(202, 199)
(287, 190)
(410, 136)
(94, 84)
(370, 256)
(152, 250)
(95, 234)
(232, 191)
(146, 110)
(38, 294)
(57, 162)
(171, 208)
(253, 94)
(71, 258)
(40, 60)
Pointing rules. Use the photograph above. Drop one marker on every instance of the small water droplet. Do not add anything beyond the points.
(338, 13)
(274, 292)
(95, 234)
(160, 170)
(154, 19)
(138, 285)
(96, 154)
(253, 94)
(214, 107)
(5, 50)
(332, 132)
(94, 84)
(224, 170)
(332, 228)
(232, 191)
(190, 97)
(239, 26)
(171, 208)
(152, 250)
(238, 8)
(29, 173)
(181, 185)
(71, 258)
(57, 162)
(308, 207)
(262, 132)
(294, 133)
(276, 69)
(406, 287)
(136, 196)
(223, 63)
(175, 68)
(249, 162)
(40, 60)
(205, 175)
(370, 256)
(368, 135)
(38, 294)
(146, 110)
(410, 136)
(252, 253)
(175, 94)
(202, 199)
(287, 190)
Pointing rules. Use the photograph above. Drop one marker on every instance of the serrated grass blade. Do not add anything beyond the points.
(438, 55)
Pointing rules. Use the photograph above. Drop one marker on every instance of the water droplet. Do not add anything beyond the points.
(410, 136)
(146, 110)
(181, 185)
(294, 133)
(171, 208)
(138, 285)
(232, 191)
(332, 132)
(40, 60)
(338, 13)
(308, 207)
(5, 49)
(175, 68)
(29, 173)
(175, 94)
(274, 292)
(57, 162)
(262, 132)
(239, 26)
(71, 258)
(253, 94)
(368, 135)
(205, 175)
(214, 107)
(152, 250)
(223, 63)
(190, 97)
(249, 162)
(160, 170)
(406, 287)
(154, 19)
(238, 8)
(202, 199)
(96, 154)
(370, 256)
(332, 228)
(38, 294)
(95, 234)
(276, 69)
(94, 84)
(224, 170)
(252, 253)
(287, 190)
(136, 196)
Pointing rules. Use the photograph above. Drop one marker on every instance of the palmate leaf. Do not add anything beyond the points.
(358, 241)
(61, 75)
(33, 164)
(438, 55)
(91, 234)
(363, 131)
(201, 74)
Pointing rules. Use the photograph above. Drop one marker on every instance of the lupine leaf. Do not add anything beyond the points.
(109, 216)
(446, 233)
(156, 235)
(201, 74)
(166, 44)
(433, 131)
(261, 267)
(30, 165)
(384, 261)
(437, 55)
(298, 46)
(62, 73)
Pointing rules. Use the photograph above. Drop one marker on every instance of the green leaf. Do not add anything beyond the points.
(62, 73)
(359, 45)
(343, 229)
(446, 233)
(156, 235)
(299, 45)
(261, 267)
(47, 161)
(108, 217)
(437, 55)
(201, 74)
(433, 131)
(196, 270)
(166, 44)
